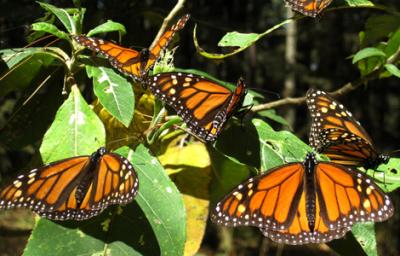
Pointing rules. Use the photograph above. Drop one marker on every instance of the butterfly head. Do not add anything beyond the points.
(99, 153)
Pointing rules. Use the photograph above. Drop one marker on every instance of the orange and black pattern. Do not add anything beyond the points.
(203, 104)
(128, 61)
(337, 134)
(308, 202)
(75, 188)
(308, 7)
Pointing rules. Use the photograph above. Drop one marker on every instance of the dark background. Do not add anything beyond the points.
(323, 47)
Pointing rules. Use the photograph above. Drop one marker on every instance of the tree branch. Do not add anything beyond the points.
(170, 16)
(346, 88)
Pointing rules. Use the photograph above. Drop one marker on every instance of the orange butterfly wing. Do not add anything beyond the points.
(203, 104)
(276, 202)
(308, 7)
(73, 188)
(164, 41)
(337, 134)
(128, 61)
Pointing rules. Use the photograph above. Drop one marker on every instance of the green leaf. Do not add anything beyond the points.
(228, 174)
(393, 43)
(359, 3)
(271, 114)
(278, 148)
(236, 39)
(114, 92)
(368, 52)
(51, 29)
(117, 231)
(393, 69)
(388, 175)
(76, 130)
(161, 202)
(108, 26)
(365, 235)
(14, 56)
(25, 66)
(62, 14)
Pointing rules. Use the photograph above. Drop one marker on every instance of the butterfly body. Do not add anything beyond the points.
(203, 104)
(304, 202)
(136, 64)
(75, 188)
(335, 133)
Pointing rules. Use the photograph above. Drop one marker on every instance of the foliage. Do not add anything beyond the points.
(179, 179)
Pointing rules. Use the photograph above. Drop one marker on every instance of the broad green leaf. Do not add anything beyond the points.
(108, 26)
(365, 235)
(236, 39)
(62, 14)
(114, 93)
(51, 29)
(76, 130)
(189, 167)
(368, 52)
(278, 148)
(161, 202)
(393, 69)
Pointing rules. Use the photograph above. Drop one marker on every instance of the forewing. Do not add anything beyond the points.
(126, 60)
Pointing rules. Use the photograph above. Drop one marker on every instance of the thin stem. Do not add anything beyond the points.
(345, 89)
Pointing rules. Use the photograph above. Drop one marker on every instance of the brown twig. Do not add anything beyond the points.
(346, 88)
(170, 16)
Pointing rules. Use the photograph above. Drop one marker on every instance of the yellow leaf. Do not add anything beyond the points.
(189, 167)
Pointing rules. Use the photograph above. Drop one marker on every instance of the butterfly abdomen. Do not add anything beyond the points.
(309, 188)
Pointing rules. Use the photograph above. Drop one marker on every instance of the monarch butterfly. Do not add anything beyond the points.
(308, 202)
(203, 104)
(74, 188)
(308, 7)
(337, 134)
(128, 61)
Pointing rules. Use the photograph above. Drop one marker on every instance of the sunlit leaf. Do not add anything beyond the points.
(114, 92)
(51, 29)
(189, 167)
(365, 235)
(76, 130)
(161, 202)
(62, 14)
(393, 69)
(108, 26)
(368, 52)
(236, 39)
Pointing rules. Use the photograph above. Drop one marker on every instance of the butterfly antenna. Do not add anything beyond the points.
(395, 153)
